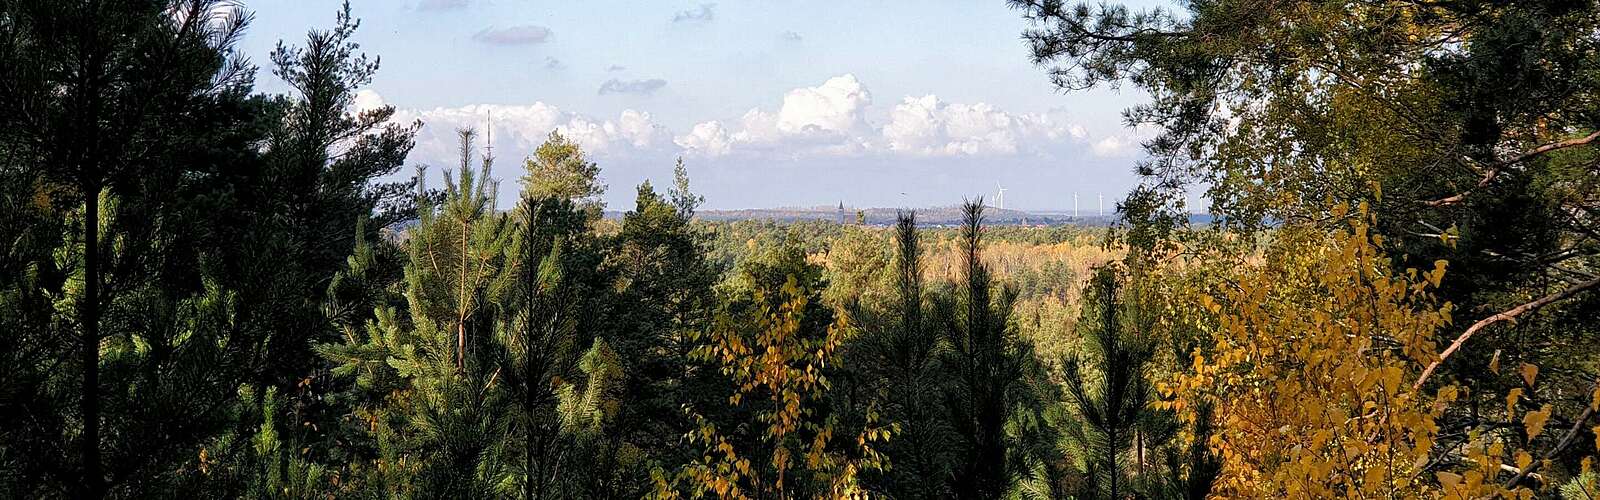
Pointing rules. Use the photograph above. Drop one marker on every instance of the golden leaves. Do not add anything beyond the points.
(1534, 421)
(1295, 361)
(773, 355)
(1524, 459)
(1529, 374)
(1451, 481)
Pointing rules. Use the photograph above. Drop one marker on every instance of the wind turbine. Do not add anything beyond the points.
(1000, 200)
(1101, 204)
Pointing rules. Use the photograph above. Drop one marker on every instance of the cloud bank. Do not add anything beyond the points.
(837, 119)
(833, 119)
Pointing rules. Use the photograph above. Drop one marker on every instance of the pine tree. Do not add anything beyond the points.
(540, 336)
(896, 357)
(112, 115)
(985, 363)
(443, 416)
(664, 291)
(560, 169)
(1110, 392)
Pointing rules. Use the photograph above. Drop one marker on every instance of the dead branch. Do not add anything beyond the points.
(1494, 169)
(1507, 315)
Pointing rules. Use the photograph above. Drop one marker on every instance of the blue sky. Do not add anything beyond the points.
(872, 103)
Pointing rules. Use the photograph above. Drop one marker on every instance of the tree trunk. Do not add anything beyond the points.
(1111, 462)
(89, 309)
(1138, 439)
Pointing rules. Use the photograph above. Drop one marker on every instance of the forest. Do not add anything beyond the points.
(207, 291)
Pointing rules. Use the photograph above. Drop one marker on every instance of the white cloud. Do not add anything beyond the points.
(638, 129)
(834, 106)
(929, 126)
(519, 129)
(367, 99)
(1111, 146)
(832, 119)
(707, 139)
(826, 119)
(1127, 143)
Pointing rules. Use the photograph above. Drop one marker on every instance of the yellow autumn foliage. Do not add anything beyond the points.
(781, 364)
(1315, 353)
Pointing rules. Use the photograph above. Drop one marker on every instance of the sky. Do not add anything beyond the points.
(770, 104)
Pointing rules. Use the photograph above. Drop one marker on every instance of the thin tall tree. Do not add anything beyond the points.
(983, 358)
(1108, 389)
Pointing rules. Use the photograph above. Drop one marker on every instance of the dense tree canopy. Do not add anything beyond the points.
(210, 292)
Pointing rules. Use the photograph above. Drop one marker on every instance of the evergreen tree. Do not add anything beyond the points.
(438, 411)
(560, 169)
(664, 286)
(985, 364)
(897, 357)
(316, 186)
(1111, 395)
(557, 418)
(116, 116)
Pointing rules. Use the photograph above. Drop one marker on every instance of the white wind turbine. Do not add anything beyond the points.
(1000, 199)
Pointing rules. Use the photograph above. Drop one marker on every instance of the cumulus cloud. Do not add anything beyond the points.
(441, 4)
(699, 14)
(832, 119)
(834, 106)
(1111, 146)
(367, 99)
(554, 64)
(519, 129)
(792, 36)
(642, 87)
(707, 139)
(835, 118)
(929, 126)
(827, 118)
(1127, 143)
(616, 67)
(526, 34)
